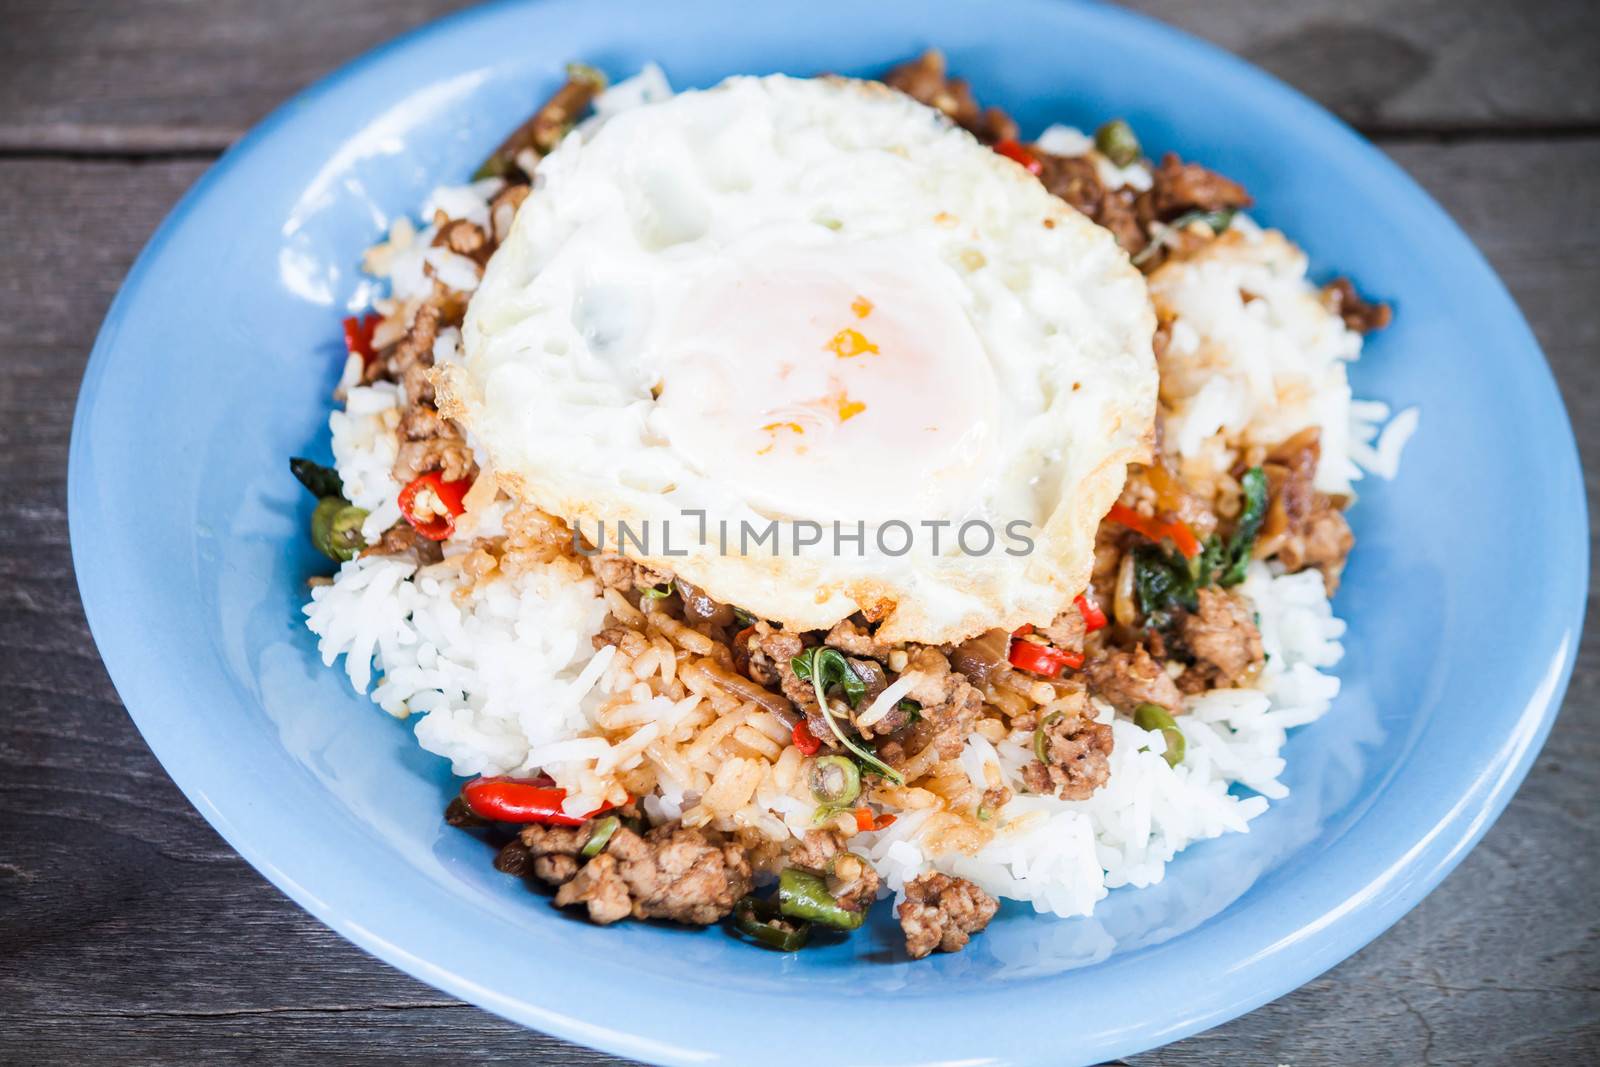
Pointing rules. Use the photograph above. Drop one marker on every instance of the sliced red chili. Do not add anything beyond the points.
(883, 822)
(522, 800)
(1093, 617)
(864, 823)
(358, 336)
(1023, 630)
(1047, 660)
(1019, 153)
(804, 739)
(431, 504)
(1176, 530)
(1184, 538)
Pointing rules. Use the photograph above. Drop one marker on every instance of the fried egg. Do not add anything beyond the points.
(814, 302)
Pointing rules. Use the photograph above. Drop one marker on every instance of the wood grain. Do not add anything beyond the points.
(129, 931)
(175, 75)
(127, 924)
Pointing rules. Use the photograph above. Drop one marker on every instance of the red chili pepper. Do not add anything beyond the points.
(358, 336)
(864, 823)
(1093, 617)
(1176, 530)
(1043, 659)
(884, 822)
(804, 739)
(1184, 538)
(443, 503)
(522, 800)
(1020, 154)
(1023, 630)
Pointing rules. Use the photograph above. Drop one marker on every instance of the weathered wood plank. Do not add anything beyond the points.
(128, 926)
(1398, 65)
(162, 75)
(157, 75)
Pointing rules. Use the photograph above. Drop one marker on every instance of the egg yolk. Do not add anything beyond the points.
(835, 384)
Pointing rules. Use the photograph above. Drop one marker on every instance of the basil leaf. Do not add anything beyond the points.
(1164, 584)
(1243, 541)
(826, 668)
(322, 481)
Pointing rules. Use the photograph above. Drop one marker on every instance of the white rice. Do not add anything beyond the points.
(498, 673)
(1063, 856)
(502, 677)
(365, 446)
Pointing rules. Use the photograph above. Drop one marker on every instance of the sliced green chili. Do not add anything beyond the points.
(1116, 142)
(762, 922)
(834, 780)
(336, 528)
(600, 836)
(656, 592)
(1154, 717)
(803, 895)
(1041, 736)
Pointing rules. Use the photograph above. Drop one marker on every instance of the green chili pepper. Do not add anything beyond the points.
(1155, 717)
(1041, 736)
(656, 592)
(834, 780)
(762, 922)
(600, 836)
(336, 528)
(803, 895)
(744, 617)
(1116, 142)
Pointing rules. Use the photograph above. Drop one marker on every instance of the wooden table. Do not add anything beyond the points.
(130, 933)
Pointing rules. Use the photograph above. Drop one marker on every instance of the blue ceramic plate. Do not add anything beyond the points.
(217, 359)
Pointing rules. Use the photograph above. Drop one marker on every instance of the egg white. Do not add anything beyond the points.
(813, 299)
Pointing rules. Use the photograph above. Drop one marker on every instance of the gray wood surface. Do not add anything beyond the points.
(130, 933)
(173, 75)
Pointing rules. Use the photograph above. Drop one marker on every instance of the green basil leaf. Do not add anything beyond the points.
(1243, 542)
(825, 668)
(1164, 583)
